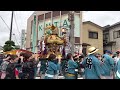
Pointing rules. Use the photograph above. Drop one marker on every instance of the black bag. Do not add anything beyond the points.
(10, 71)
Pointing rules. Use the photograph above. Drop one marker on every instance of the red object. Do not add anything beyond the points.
(16, 72)
(118, 50)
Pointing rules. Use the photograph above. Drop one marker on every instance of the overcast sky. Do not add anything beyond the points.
(101, 18)
(20, 17)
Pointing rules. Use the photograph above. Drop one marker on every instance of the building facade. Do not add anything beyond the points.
(36, 25)
(92, 35)
(112, 37)
(1, 47)
(23, 39)
(86, 34)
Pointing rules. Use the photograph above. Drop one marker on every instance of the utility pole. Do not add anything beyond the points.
(11, 26)
(71, 37)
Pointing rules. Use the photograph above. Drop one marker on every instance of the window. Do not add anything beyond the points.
(41, 17)
(56, 13)
(77, 11)
(64, 12)
(77, 39)
(48, 15)
(93, 35)
(116, 34)
(105, 36)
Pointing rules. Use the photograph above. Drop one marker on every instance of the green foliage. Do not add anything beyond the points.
(9, 45)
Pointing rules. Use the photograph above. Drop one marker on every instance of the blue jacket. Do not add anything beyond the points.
(52, 68)
(117, 76)
(118, 66)
(58, 67)
(72, 65)
(109, 62)
(92, 66)
(104, 67)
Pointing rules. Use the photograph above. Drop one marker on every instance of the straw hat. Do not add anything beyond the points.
(92, 50)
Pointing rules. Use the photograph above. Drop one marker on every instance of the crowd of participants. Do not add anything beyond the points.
(91, 66)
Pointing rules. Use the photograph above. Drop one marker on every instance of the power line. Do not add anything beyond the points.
(17, 25)
(9, 29)
(17, 29)
(5, 23)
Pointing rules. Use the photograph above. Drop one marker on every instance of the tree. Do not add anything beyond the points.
(9, 45)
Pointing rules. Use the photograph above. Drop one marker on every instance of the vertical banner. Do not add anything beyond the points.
(22, 39)
(78, 28)
(34, 34)
(40, 29)
(77, 25)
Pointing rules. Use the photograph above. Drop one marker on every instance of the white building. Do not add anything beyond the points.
(45, 18)
(1, 49)
(23, 39)
(112, 37)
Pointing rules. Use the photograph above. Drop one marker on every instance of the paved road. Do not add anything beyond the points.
(61, 77)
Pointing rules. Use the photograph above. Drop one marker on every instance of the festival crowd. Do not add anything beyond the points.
(91, 66)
